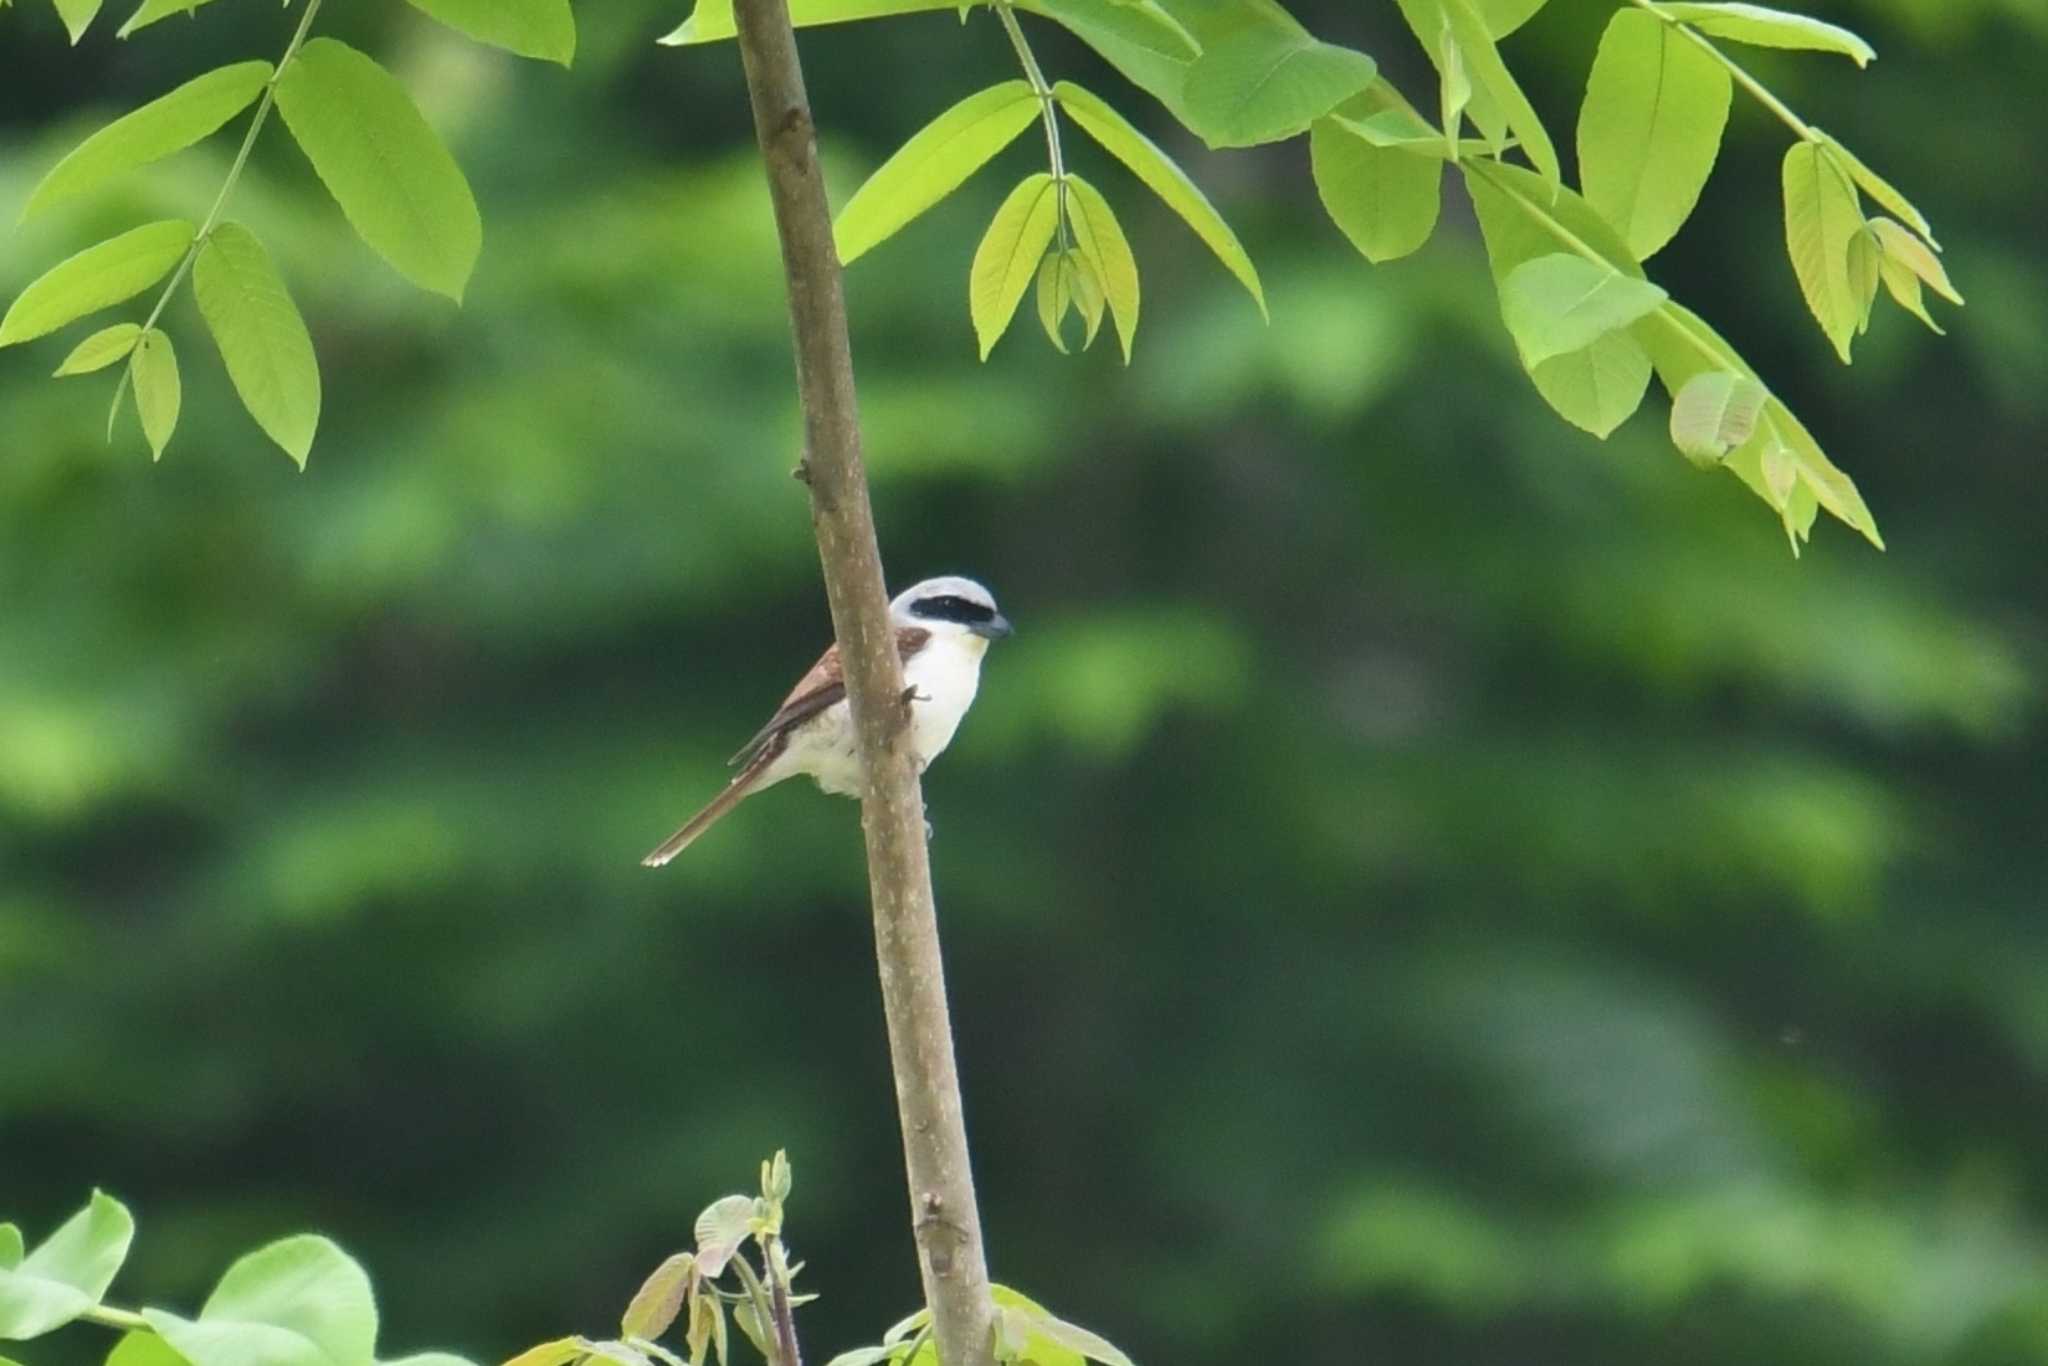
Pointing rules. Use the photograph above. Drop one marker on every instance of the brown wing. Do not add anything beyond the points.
(824, 685)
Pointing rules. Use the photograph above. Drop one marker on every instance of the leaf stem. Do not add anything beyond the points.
(778, 1293)
(1048, 105)
(125, 1320)
(1742, 78)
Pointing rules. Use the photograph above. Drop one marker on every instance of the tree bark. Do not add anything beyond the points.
(944, 1219)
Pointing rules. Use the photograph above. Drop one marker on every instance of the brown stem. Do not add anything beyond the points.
(778, 1293)
(945, 1221)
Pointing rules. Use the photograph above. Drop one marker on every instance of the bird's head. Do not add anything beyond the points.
(950, 605)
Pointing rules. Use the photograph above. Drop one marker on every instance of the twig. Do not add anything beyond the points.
(945, 1221)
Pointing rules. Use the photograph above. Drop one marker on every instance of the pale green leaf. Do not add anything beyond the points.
(1903, 285)
(1384, 199)
(903, 1328)
(1163, 176)
(395, 181)
(1146, 26)
(1713, 413)
(864, 1356)
(430, 1359)
(932, 164)
(165, 125)
(1089, 300)
(660, 1298)
(1760, 26)
(261, 336)
(1519, 222)
(298, 1302)
(144, 1349)
(1262, 84)
(1100, 240)
(1821, 216)
(559, 1352)
(726, 1222)
(1490, 74)
(11, 1247)
(1682, 345)
(1909, 251)
(159, 394)
(1781, 472)
(712, 20)
(1505, 16)
(77, 16)
(1055, 297)
(1007, 260)
(1865, 258)
(1405, 130)
(1071, 1336)
(1650, 128)
(532, 28)
(152, 10)
(100, 350)
(96, 278)
(67, 1273)
(1562, 302)
(1878, 188)
(1454, 82)
(1597, 387)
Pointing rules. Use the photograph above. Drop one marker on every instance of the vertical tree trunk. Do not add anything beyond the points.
(944, 1218)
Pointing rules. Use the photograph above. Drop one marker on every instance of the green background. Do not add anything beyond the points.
(1421, 886)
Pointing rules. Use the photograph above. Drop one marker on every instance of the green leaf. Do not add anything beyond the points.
(1713, 413)
(96, 278)
(100, 350)
(1163, 177)
(1089, 301)
(165, 125)
(560, 1352)
(1900, 280)
(660, 1298)
(1762, 27)
(1384, 199)
(152, 10)
(864, 1356)
(1100, 240)
(903, 1328)
(1454, 82)
(531, 28)
(1563, 302)
(1597, 387)
(725, 1223)
(1489, 73)
(1650, 128)
(1519, 222)
(10, 1247)
(1055, 296)
(301, 1301)
(1405, 130)
(1071, 1336)
(1682, 345)
(67, 1273)
(1865, 257)
(1146, 26)
(1505, 16)
(1263, 84)
(1909, 251)
(1878, 188)
(431, 1359)
(1007, 260)
(932, 164)
(1821, 216)
(262, 338)
(395, 181)
(144, 1349)
(153, 371)
(77, 16)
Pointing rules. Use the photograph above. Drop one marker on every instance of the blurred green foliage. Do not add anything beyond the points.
(1422, 886)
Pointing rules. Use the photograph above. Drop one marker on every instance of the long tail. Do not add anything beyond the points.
(742, 785)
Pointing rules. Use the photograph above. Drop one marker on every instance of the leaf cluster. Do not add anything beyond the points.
(300, 1301)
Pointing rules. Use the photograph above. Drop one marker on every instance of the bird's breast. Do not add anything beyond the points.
(944, 676)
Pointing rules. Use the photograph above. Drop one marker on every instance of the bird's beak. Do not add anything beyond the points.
(995, 628)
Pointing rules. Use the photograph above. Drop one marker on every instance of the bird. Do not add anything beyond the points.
(943, 628)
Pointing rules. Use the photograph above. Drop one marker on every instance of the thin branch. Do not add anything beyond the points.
(227, 187)
(778, 1291)
(946, 1223)
(1048, 106)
